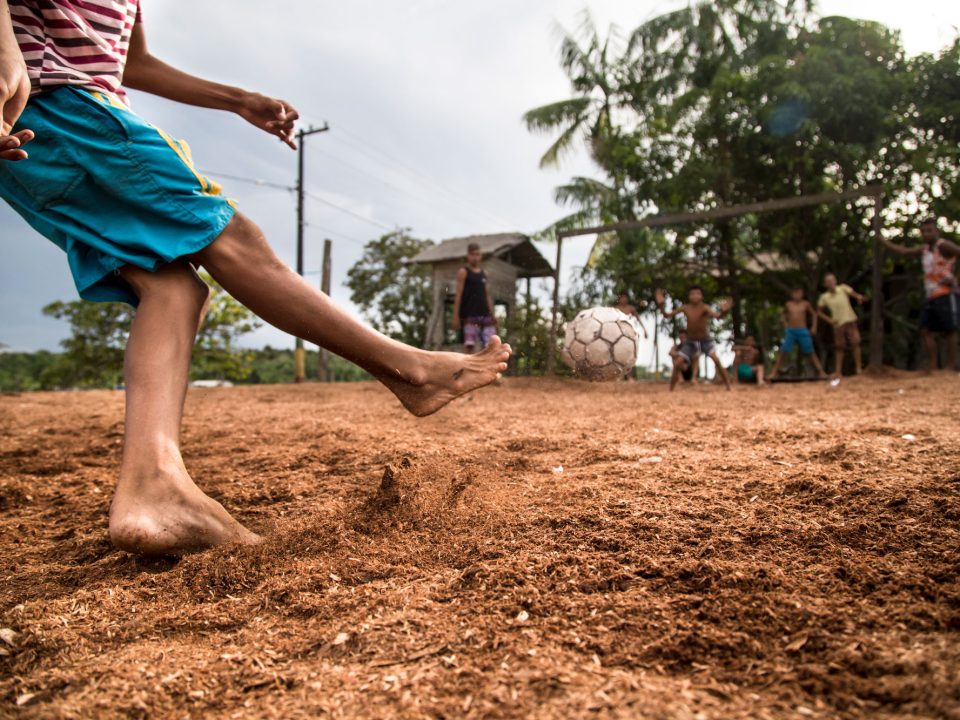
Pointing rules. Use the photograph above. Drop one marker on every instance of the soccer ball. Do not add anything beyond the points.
(600, 344)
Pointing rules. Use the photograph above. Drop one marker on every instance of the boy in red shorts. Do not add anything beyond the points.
(123, 200)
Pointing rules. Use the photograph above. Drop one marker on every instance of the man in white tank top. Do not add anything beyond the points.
(940, 314)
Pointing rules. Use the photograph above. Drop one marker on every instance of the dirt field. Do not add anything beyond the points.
(791, 554)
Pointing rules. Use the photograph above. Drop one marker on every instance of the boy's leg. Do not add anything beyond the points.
(245, 265)
(720, 369)
(781, 356)
(157, 509)
(816, 364)
(470, 332)
(758, 369)
(679, 365)
(930, 344)
(838, 363)
(951, 340)
(857, 359)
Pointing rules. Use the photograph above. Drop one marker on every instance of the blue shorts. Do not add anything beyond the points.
(110, 190)
(797, 336)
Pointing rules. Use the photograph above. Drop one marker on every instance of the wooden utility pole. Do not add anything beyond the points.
(877, 303)
(323, 370)
(299, 356)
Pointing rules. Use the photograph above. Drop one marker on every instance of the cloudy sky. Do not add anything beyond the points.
(424, 100)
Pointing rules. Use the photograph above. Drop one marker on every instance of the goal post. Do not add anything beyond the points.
(732, 211)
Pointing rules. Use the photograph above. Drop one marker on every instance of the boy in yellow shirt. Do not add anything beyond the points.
(836, 299)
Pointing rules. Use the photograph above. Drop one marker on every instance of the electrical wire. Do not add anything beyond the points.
(347, 211)
(358, 144)
(308, 194)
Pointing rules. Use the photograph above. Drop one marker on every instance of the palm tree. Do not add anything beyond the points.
(586, 59)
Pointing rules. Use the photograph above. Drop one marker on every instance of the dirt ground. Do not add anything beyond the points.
(541, 549)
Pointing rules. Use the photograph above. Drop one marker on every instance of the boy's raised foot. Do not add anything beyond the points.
(439, 377)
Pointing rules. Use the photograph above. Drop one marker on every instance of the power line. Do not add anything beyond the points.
(347, 211)
(432, 202)
(365, 147)
(311, 195)
(249, 181)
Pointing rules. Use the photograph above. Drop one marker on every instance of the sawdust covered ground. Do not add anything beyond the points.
(791, 554)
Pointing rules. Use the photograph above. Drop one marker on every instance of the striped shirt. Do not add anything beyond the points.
(74, 42)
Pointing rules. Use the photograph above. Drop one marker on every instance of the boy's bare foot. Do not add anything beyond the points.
(439, 377)
(167, 514)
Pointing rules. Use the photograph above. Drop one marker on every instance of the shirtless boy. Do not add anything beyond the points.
(689, 373)
(748, 361)
(794, 318)
(624, 306)
(135, 218)
(698, 315)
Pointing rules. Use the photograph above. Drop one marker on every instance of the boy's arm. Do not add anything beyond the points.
(662, 301)
(949, 248)
(901, 249)
(461, 281)
(151, 75)
(813, 317)
(854, 294)
(14, 89)
(725, 306)
(826, 317)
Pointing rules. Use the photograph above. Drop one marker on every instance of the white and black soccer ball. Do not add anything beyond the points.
(600, 344)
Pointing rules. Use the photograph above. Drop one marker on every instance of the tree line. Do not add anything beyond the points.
(734, 101)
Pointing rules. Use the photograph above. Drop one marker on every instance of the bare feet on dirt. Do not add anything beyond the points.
(170, 515)
(441, 377)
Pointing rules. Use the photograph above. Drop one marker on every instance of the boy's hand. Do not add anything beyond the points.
(14, 93)
(273, 116)
(455, 323)
(11, 146)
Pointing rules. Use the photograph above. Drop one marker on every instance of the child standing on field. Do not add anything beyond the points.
(846, 334)
(698, 341)
(473, 305)
(796, 332)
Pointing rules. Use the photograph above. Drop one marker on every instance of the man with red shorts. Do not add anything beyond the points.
(940, 311)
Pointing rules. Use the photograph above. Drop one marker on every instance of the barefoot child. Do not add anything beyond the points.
(624, 306)
(135, 218)
(794, 318)
(748, 361)
(473, 305)
(689, 370)
(698, 315)
(836, 299)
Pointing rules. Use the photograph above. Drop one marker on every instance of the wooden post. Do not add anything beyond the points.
(526, 332)
(323, 369)
(656, 342)
(552, 350)
(876, 307)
